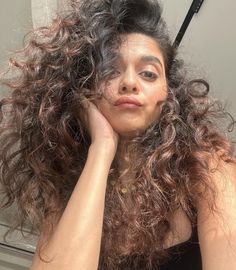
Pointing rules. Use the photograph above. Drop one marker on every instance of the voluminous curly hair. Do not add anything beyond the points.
(44, 144)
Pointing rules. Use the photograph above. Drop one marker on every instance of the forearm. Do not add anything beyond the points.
(75, 243)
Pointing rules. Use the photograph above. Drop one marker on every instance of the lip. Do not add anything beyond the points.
(127, 101)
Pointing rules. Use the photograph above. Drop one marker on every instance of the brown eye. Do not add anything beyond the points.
(149, 75)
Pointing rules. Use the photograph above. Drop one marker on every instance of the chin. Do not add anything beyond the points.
(134, 131)
(129, 133)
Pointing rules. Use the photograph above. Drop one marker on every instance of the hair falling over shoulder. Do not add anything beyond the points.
(43, 142)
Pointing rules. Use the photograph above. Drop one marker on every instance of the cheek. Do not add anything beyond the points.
(158, 99)
(156, 103)
(105, 106)
(108, 94)
(109, 90)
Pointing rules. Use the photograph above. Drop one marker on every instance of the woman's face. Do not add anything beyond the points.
(134, 96)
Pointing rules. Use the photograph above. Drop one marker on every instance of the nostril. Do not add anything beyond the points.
(131, 89)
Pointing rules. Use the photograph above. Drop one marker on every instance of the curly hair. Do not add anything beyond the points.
(44, 143)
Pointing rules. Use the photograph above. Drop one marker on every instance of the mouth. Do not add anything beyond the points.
(128, 106)
(128, 102)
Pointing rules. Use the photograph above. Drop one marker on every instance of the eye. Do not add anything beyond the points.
(114, 73)
(149, 75)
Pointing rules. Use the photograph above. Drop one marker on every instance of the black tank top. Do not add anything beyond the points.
(184, 256)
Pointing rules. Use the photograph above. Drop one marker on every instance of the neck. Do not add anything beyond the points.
(126, 172)
(124, 156)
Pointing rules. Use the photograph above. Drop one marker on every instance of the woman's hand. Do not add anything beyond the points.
(100, 130)
(90, 190)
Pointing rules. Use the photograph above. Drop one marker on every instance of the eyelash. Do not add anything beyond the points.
(153, 76)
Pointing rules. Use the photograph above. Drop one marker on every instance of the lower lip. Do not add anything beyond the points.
(128, 106)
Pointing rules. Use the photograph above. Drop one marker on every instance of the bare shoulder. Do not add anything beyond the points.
(227, 169)
(222, 181)
(217, 226)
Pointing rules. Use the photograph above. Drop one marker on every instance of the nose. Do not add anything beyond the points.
(129, 82)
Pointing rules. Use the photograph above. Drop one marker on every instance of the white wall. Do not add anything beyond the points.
(15, 22)
(209, 43)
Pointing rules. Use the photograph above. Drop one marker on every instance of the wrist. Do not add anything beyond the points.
(104, 148)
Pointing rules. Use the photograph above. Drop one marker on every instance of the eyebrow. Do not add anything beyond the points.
(146, 59)
(151, 58)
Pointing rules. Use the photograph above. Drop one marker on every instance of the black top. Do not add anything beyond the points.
(185, 256)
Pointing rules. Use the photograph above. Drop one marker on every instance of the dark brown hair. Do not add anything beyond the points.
(43, 142)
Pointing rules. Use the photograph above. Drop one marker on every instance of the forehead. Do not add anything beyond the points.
(139, 44)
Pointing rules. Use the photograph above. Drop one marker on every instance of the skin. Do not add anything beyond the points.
(140, 74)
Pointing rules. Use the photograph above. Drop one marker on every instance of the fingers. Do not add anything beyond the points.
(84, 112)
(89, 115)
(86, 103)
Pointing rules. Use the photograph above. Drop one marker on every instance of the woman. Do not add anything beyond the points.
(111, 152)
